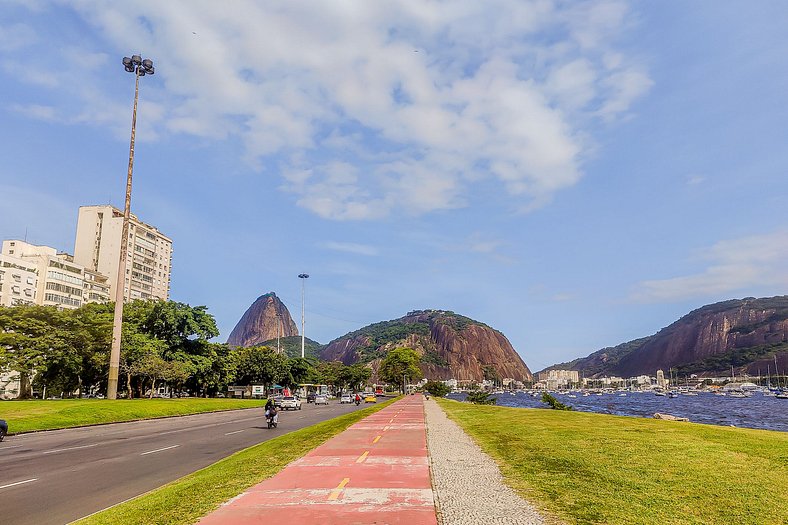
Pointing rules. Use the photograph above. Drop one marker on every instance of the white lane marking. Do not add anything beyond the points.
(18, 483)
(159, 450)
(6, 447)
(69, 448)
(187, 429)
(235, 432)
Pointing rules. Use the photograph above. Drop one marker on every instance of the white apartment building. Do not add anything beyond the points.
(18, 280)
(559, 378)
(60, 281)
(149, 252)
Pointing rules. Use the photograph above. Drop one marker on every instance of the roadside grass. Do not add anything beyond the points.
(593, 468)
(186, 500)
(29, 416)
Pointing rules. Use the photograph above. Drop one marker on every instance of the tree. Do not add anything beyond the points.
(401, 364)
(261, 364)
(480, 397)
(437, 388)
(554, 403)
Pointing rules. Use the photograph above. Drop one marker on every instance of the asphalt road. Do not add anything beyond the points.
(59, 476)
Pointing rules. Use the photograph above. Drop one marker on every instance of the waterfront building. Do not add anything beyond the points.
(149, 252)
(60, 282)
(559, 378)
(661, 383)
(18, 280)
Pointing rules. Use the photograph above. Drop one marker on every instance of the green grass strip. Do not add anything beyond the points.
(29, 416)
(593, 468)
(186, 500)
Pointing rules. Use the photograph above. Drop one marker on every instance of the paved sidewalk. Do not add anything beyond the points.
(469, 488)
(376, 471)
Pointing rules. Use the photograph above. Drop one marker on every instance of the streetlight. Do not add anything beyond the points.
(140, 68)
(303, 277)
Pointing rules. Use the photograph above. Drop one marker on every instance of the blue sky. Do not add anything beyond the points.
(575, 174)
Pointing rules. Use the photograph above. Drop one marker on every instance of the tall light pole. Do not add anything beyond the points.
(303, 277)
(140, 68)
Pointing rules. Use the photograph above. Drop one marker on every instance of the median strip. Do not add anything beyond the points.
(158, 450)
(18, 483)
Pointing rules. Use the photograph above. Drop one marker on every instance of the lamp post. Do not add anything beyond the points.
(303, 277)
(140, 68)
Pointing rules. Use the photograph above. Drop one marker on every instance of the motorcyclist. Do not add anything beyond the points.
(357, 399)
(3, 429)
(270, 410)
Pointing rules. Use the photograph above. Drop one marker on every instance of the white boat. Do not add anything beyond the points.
(658, 393)
(737, 394)
(673, 394)
(690, 393)
(622, 395)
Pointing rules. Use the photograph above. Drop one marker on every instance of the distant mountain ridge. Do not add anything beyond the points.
(746, 334)
(450, 346)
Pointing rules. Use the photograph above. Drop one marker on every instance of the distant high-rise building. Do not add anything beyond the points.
(18, 280)
(661, 379)
(149, 252)
(56, 281)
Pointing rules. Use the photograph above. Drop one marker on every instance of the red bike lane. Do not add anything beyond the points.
(376, 471)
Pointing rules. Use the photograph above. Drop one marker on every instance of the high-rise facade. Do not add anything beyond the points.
(42, 275)
(149, 252)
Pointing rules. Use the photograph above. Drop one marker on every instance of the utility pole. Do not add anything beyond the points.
(303, 277)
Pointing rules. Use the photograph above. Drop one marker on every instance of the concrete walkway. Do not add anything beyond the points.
(376, 471)
(469, 488)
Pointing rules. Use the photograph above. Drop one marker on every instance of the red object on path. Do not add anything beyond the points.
(376, 471)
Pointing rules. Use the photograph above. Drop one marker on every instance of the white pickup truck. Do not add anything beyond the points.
(291, 403)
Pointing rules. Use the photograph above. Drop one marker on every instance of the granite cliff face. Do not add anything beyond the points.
(450, 345)
(262, 321)
(744, 333)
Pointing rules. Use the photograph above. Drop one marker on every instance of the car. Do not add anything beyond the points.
(370, 398)
(320, 399)
(346, 398)
(278, 401)
(290, 403)
(310, 398)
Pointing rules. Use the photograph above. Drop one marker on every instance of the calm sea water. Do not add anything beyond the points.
(757, 411)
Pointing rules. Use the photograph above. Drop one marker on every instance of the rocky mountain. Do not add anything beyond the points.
(450, 345)
(263, 321)
(746, 334)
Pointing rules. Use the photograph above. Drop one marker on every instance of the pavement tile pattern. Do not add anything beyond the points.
(468, 486)
(375, 472)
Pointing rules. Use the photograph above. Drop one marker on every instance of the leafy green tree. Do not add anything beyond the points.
(261, 364)
(30, 336)
(554, 403)
(480, 397)
(400, 364)
(437, 388)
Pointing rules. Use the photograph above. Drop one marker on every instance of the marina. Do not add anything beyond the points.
(757, 410)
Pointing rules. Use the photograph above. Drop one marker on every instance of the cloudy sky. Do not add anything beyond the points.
(575, 174)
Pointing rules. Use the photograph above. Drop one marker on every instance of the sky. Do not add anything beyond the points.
(574, 174)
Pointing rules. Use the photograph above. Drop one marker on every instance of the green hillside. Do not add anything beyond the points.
(292, 346)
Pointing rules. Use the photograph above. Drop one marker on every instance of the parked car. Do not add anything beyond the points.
(290, 403)
(321, 400)
(310, 398)
(346, 398)
(370, 398)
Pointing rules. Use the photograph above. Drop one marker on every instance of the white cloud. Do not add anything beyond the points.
(350, 247)
(15, 36)
(736, 265)
(421, 100)
(36, 111)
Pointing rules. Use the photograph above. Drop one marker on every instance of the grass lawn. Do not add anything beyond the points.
(184, 501)
(27, 416)
(592, 468)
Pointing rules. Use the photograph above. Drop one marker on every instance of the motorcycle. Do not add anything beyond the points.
(271, 418)
(357, 401)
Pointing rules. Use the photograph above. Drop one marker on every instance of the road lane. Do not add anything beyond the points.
(59, 476)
